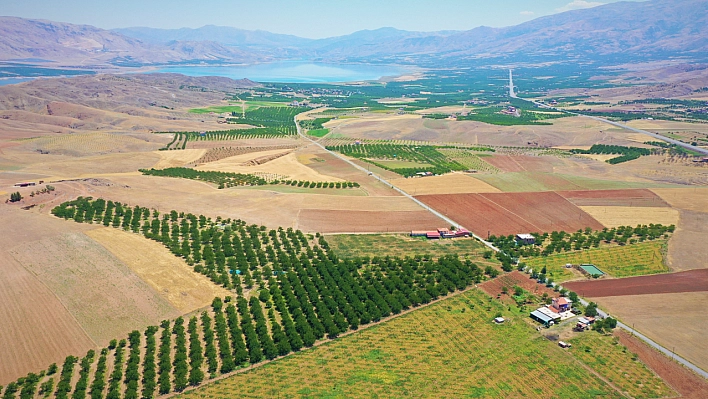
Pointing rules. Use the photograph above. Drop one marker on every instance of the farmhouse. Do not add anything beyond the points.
(432, 235)
(561, 304)
(544, 316)
(526, 239)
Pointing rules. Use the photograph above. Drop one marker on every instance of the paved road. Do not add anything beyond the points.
(623, 126)
(639, 335)
(386, 182)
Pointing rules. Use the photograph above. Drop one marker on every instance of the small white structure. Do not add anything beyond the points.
(499, 320)
(526, 239)
(564, 344)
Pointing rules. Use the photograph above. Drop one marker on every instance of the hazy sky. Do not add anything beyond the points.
(309, 18)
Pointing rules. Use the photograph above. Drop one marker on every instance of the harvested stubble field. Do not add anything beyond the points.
(448, 350)
(452, 183)
(360, 245)
(521, 163)
(541, 181)
(286, 165)
(687, 249)
(338, 221)
(618, 365)
(615, 216)
(617, 261)
(627, 198)
(168, 275)
(511, 213)
(93, 143)
(93, 285)
(668, 319)
(688, 281)
(686, 383)
(173, 159)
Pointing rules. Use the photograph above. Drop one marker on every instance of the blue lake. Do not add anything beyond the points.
(293, 72)
(12, 81)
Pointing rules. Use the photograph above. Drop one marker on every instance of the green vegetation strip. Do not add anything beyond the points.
(625, 153)
(620, 261)
(381, 245)
(229, 179)
(423, 158)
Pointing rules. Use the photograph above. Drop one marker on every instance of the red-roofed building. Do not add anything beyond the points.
(560, 304)
(433, 235)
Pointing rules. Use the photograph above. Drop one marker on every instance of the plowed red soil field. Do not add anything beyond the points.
(689, 281)
(338, 221)
(512, 213)
(639, 197)
(688, 384)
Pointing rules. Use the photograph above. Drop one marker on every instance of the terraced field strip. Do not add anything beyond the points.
(618, 261)
(448, 350)
(359, 245)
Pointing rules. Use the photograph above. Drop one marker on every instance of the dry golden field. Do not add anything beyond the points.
(168, 275)
(615, 216)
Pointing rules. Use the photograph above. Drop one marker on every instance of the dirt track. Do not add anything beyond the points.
(689, 281)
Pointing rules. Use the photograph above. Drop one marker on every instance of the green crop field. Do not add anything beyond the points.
(618, 261)
(360, 245)
(318, 132)
(428, 158)
(392, 164)
(250, 105)
(469, 159)
(614, 362)
(448, 350)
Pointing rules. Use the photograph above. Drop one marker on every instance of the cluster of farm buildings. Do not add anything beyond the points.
(441, 233)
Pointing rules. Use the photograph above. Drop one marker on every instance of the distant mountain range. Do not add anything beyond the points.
(657, 27)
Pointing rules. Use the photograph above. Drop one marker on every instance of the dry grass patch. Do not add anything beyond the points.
(287, 165)
(167, 274)
(690, 199)
(615, 216)
(177, 158)
(454, 183)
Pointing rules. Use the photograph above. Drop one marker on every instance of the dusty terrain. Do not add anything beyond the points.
(456, 183)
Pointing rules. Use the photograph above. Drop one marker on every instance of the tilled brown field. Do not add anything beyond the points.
(689, 281)
(512, 213)
(337, 221)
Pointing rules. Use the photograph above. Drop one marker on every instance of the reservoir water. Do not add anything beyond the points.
(293, 72)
